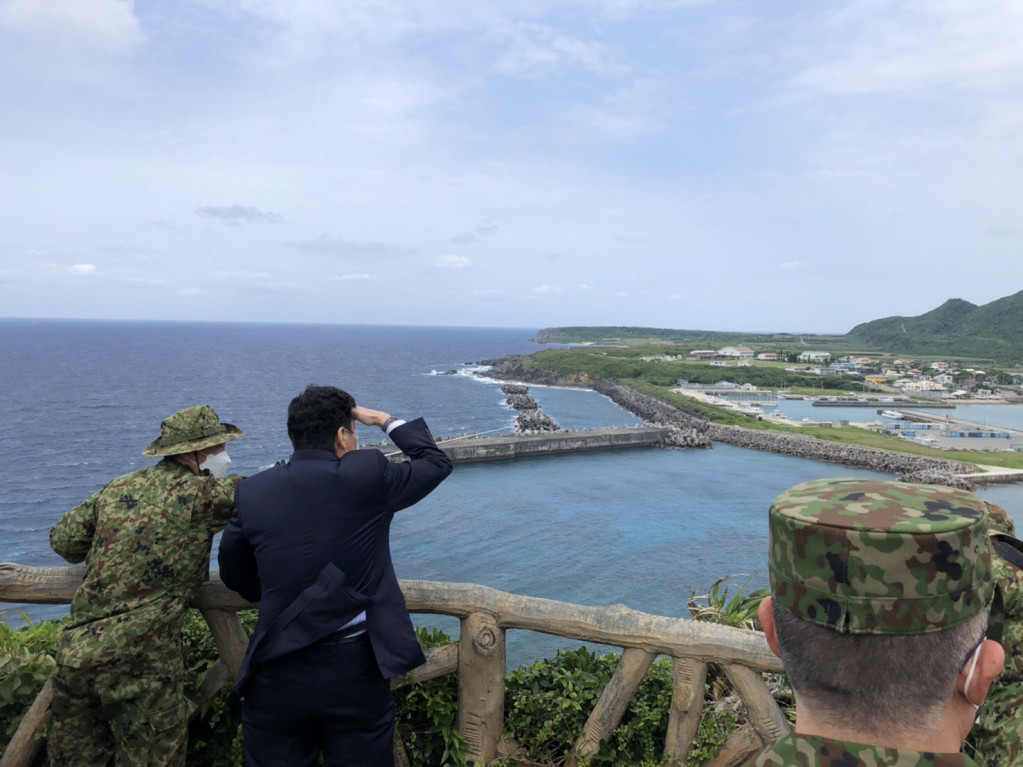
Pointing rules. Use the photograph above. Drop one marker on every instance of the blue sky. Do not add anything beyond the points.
(796, 166)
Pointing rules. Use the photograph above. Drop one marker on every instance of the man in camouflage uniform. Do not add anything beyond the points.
(998, 735)
(879, 605)
(145, 537)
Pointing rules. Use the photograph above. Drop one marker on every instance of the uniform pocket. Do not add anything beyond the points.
(170, 718)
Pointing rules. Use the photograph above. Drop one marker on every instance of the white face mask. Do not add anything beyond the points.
(217, 463)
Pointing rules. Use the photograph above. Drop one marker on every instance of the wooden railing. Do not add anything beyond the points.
(478, 657)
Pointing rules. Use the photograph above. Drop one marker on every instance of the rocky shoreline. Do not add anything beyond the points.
(690, 430)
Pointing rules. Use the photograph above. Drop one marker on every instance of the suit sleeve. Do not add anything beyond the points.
(237, 561)
(71, 538)
(428, 466)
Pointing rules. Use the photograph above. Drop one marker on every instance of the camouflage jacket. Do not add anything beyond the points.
(998, 734)
(145, 539)
(811, 751)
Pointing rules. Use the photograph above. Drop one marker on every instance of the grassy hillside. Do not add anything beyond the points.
(956, 329)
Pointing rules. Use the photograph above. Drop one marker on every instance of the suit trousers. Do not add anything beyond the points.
(328, 699)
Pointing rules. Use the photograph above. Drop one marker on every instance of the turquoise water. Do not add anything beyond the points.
(79, 401)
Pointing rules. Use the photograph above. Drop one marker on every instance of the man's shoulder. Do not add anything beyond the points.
(815, 751)
(163, 473)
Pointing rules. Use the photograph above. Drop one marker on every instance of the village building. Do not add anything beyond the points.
(821, 358)
(740, 352)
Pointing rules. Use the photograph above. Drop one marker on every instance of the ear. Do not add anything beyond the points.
(990, 663)
(766, 614)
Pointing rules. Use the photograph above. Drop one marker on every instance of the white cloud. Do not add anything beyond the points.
(144, 282)
(789, 266)
(107, 27)
(863, 48)
(620, 294)
(547, 289)
(536, 49)
(233, 215)
(192, 292)
(241, 275)
(676, 296)
(452, 262)
(635, 109)
(354, 277)
(83, 269)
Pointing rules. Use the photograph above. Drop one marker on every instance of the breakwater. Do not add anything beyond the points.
(700, 431)
(529, 416)
(910, 468)
(472, 449)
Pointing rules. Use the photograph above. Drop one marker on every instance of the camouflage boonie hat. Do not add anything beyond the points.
(191, 429)
(865, 556)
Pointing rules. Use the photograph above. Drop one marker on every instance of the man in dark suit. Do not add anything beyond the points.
(310, 540)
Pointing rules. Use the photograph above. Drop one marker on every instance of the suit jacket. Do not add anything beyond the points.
(310, 540)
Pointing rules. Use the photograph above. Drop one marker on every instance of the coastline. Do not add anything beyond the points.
(703, 433)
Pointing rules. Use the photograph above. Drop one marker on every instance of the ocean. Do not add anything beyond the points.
(79, 400)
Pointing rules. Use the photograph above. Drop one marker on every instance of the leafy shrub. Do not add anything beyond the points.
(427, 714)
(26, 662)
(715, 607)
(548, 702)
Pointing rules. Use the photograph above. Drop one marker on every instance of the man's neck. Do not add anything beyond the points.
(943, 739)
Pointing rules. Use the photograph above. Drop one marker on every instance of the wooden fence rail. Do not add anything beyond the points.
(478, 657)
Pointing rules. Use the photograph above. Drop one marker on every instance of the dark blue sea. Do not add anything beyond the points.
(80, 400)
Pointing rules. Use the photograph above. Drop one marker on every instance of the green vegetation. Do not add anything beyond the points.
(658, 379)
(546, 703)
(589, 363)
(957, 329)
(629, 336)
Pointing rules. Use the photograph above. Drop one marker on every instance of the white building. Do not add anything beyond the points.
(739, 352)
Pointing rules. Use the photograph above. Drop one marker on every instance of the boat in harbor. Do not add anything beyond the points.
(891, 414)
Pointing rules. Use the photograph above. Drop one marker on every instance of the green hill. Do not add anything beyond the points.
(957, 328)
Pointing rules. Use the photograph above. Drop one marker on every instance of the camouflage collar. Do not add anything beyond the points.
(815, 751)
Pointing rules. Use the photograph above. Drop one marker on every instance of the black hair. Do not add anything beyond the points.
(315, 415)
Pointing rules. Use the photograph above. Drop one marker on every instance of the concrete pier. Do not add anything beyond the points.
(470, 449)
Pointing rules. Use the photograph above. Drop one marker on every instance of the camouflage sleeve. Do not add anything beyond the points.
(222, 501)
(71, 538)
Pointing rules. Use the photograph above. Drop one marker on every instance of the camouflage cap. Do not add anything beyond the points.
(191, 429)
(866, 556)
(999, 521)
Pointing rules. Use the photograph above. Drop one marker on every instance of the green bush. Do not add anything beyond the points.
(546, 704)
(26, 661)
(427, 714)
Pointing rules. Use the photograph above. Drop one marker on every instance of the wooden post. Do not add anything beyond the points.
(689, 680)
(24, 745)
(740, 746)
(229, 636)
(481, 670)
(613, 701)
(765, 716)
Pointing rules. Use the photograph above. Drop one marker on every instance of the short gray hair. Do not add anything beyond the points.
(874, 683)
